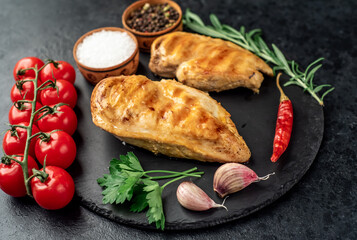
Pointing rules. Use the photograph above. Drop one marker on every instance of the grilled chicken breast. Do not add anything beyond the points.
(206, 63)
(167, 117)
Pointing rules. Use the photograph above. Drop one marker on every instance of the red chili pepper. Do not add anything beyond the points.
(284, 124)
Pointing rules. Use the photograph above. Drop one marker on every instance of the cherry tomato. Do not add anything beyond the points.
(66, 94)
(59, 150)
(13, 144)
(27, 62)
(57, 190)
(65, 119)
(22, 90)
(12, 177)
(62, 70)
(23, 114)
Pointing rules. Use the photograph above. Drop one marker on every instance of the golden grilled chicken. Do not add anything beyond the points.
(167, 117)
(206, 63)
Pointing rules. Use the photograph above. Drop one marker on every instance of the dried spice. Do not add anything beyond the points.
(152, 18)
(284, 124)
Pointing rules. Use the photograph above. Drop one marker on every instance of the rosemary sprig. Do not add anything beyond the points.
(253, 41)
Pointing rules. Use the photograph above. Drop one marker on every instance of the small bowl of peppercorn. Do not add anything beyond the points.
(149, 19)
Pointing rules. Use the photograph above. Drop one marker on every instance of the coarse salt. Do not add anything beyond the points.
(105, 49)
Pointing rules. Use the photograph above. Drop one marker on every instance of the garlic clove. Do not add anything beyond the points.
(194, 198)
(233, 177)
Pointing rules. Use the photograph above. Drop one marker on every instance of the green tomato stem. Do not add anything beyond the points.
(24, 163)
(23, 101)
(14, 159)
(29, 134)
(29, 179)
(27, 80)
(19, 126)
(38, 134)
(43, 84)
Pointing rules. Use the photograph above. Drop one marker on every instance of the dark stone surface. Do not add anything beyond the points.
(321, 206)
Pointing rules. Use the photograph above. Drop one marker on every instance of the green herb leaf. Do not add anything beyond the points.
(290, 83)
(114, 167)
(280, 55)
(215, 22)
(131, 161)
(128, 181)
(319, 88)
(139, 200)
(126, 190)
(112, 183)
(154, 200)
(194, 17)
(325, 93)
(311, 74)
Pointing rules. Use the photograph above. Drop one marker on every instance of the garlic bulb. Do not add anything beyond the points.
(194, 198)
(232, 177)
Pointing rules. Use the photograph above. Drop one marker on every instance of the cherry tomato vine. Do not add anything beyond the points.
(30, 111)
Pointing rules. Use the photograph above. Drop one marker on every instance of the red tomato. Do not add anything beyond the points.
(66, 94)
(22, 91)
(59, 150)
(57, 190)
(16, 145)
(65, 120)
(27, 62)
(63, 70)
(22, 115)
(12, 177)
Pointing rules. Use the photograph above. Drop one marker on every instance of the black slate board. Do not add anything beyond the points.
(254, 116)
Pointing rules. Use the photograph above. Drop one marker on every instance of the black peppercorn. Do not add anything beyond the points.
(152, 18)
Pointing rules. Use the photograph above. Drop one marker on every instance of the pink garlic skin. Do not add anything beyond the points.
(232, 177)
(194, 198)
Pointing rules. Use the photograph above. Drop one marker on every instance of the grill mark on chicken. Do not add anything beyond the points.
(219, 61)
(142, 84)
(172, 44)
(183, 48)
(161, 113)
(182, 114)
(214, 57)
(177, 92)
(190, 101)
(202, 119)
(151, 99)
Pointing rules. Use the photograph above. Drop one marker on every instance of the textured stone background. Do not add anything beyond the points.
(321, 206)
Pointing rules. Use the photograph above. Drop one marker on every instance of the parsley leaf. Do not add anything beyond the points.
(154, 200)
(127, 189)
(131, 162)
(139, 200)
(112, 183)
(128, 181)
